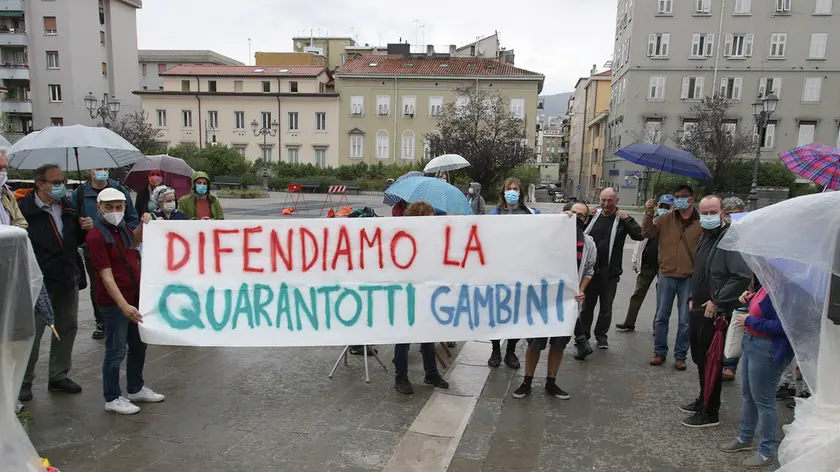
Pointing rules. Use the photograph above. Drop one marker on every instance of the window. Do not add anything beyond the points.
(768, 85)
(293, 87)
(104, 69)
(656, 90)
(692, 88)
(320, 157)
(55, 93)
(819, 42)
(161, 68)
(186, 119)
(666, 7)
(769, 139)
(343, 58)
(823, 7)
(382, 104)
(742, 7)
(266, 86)
(265, 152)
(56, 121)
(211, 86)
(461, 103)
(265, 120)
(50, 25)
(653, 131)
(161, 118)
(382, 144)
(435, 106)
(237, 86)
(811, 90)
(357, 105)
(213, 119)
(52, 61)
(239, 120)
(241, 149)
(427, 149)
(320, 121)
(408, 145)
(658, 44)
(738, 45)
(293, 155)
(783, 6)
(293, 121)
(356, 146)
(806, 133)
(102, 38)
(409, 105)
(702, 45)
(185, 85)
(729, 127)
(517, 108)
(688, 128)
(731, 87)
(778, 42)
(703, 7)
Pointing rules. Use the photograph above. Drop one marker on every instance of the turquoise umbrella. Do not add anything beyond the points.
(437, 193)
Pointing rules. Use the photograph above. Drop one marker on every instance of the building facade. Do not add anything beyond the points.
(669, 55)
(289, 59)
(153, 62)
(576, 128)
(588, 117)
(389, 103)
(333, 48)
(206, 104)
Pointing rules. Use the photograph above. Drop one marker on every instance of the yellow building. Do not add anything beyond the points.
(289, 59)
(331, 48)
(389, 103)
(204, 104)
(597, 105)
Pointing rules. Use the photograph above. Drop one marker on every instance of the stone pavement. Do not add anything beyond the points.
(275, 410)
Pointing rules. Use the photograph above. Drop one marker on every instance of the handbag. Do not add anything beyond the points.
(734, 336)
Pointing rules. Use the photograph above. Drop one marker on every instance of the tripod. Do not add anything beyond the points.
(343, 355)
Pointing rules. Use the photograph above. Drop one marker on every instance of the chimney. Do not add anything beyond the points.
(594, 69)
(452, 50)
(430, 50)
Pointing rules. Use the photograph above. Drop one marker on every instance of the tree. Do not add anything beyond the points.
(480, 127)
(136, 129)
(716, 139)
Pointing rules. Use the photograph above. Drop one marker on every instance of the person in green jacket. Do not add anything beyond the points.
(199, 204)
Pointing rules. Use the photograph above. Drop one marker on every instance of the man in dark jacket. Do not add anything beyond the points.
(609, 229)
(720, 278)
(55, 233)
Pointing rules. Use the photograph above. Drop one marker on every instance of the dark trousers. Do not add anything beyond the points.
(643, 282)
(121, 333)
(91, 272)
(511, 345)
(65, 304)
(701, 333)
(427, 350)
(601, 291)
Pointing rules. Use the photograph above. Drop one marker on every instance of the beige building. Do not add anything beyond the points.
(289, 59)
(389, 103)
(588, 118)
(204, 104)
(333, 48)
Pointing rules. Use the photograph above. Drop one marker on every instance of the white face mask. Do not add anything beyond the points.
(169, 206)
(114, 218)
(471, 190)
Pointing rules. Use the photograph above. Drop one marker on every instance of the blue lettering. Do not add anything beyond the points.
(243, 306)
(190, 316)
(327, 303)
(370, 289)
(483, 301)
(211, 309)
(463, 306)
(503, 304)
(259, 305)
(284, 306)
(559, 301)
(537, 301)
(445, 309)
(517, 299)
(300, 305)
(409, 289)
(392, 290)
(357, 298)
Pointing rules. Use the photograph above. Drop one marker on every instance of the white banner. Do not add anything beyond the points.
(320, 282)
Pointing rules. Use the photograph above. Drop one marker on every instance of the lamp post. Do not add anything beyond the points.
(265, 132)
(763, 108)
(107, 110)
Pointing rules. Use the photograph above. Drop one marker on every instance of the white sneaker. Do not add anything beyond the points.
(121, 406)
(145, 395)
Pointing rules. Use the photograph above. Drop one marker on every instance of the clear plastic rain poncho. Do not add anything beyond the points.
(20, 284)
(793, 248)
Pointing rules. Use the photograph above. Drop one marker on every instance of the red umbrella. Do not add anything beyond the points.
(714, 358)
(175, 171)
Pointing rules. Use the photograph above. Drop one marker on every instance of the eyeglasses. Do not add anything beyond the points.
(55, 182)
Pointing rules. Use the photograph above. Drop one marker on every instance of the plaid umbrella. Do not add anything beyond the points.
(714, 358)
(392, 200)
(818, 163)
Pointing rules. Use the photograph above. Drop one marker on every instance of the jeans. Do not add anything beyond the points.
(120, 332)
(760, 377)
(670, 288)
(643, 283)
(601, 291)
(91, 272)
(427, 350)
(702, 332)
(65, 302)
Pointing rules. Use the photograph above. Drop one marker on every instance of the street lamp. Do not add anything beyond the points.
(763, 108)
(266, 132)
(107, 110)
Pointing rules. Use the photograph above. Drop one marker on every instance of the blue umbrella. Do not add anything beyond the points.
(437, 193)
(391, 200)
(673, 161)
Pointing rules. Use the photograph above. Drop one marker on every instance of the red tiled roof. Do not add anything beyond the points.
(437, 66)
(239, 71)
(606, 73)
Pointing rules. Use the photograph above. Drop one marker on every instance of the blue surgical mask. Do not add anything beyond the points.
(710, 221)
(681, 203)
(662, 211)
(152, 206)
(201, 189)
(101, 175)
(58, 191)
(511, 197)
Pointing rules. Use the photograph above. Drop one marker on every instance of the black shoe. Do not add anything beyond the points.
(783, 393)
(360, 351)
(625, 327)
(523, 391)
(790, 402)
(64, 385)
(603, 344)
(436, 380)
(451, 344)
(692, 407)
(701, 419)
(403, 386)
(584, 349)
(556, 391)
(511, 360)
(495, 359)
(25, 394)
(98, 332)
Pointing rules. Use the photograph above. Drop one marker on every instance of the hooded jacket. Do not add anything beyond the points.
(9, 202)
(476, 200)
(187, 203)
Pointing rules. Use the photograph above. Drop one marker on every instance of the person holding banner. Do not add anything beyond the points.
(199, 204)
(164, 199)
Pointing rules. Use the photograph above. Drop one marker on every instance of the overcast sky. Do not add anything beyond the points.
(561, 39)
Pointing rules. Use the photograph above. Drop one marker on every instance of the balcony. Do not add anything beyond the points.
(14, 71)
(16, 106)
(12, 36)
(12, 6)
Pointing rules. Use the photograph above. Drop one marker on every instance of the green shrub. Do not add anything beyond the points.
(237, 193)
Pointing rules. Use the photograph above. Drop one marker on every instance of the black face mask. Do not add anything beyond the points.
(581, 224)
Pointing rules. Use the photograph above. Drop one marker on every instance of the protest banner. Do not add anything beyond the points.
(320, 282)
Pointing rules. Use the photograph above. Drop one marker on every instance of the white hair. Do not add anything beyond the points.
(160, 192)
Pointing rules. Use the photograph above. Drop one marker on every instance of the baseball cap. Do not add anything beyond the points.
(110, 195)
(667, 199)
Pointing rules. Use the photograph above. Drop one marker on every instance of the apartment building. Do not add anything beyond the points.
(333, 48)
(489, 47)
(670, 54)
(153, 62)
(206, 104)
(389, 103)
(588, 115)
(54, 53)
(289, 59)
(552, 147)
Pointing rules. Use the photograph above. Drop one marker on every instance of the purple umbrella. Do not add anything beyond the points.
(176, 173)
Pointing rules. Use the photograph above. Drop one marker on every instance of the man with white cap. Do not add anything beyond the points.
(113, 252)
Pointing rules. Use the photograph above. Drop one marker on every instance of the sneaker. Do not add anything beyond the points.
(511, 360)
(657, 360)
(121, 406)
(495, 359)
(679, 364)
(625, 327)
(692, 407)
(64, 385)
(603, 344)
(436, 380)
(403, 386)
(145, 395)
(783, 393)
(584, 350)
(556, 391)
(98, 332)
(523, 391)
(25, 394)
(736, 446)
(790, 402)
(701, 419)
(728, 375)
(757, 461)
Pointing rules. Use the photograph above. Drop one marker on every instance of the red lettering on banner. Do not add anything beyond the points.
(446, 259)
(277, 250)
(247, 250)
(304, 234)
(171, 265)
(217, 246)
(343, 248)
(473, 244)
(324, 250)
(202, 242)
(365, 241)
(394, 241)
